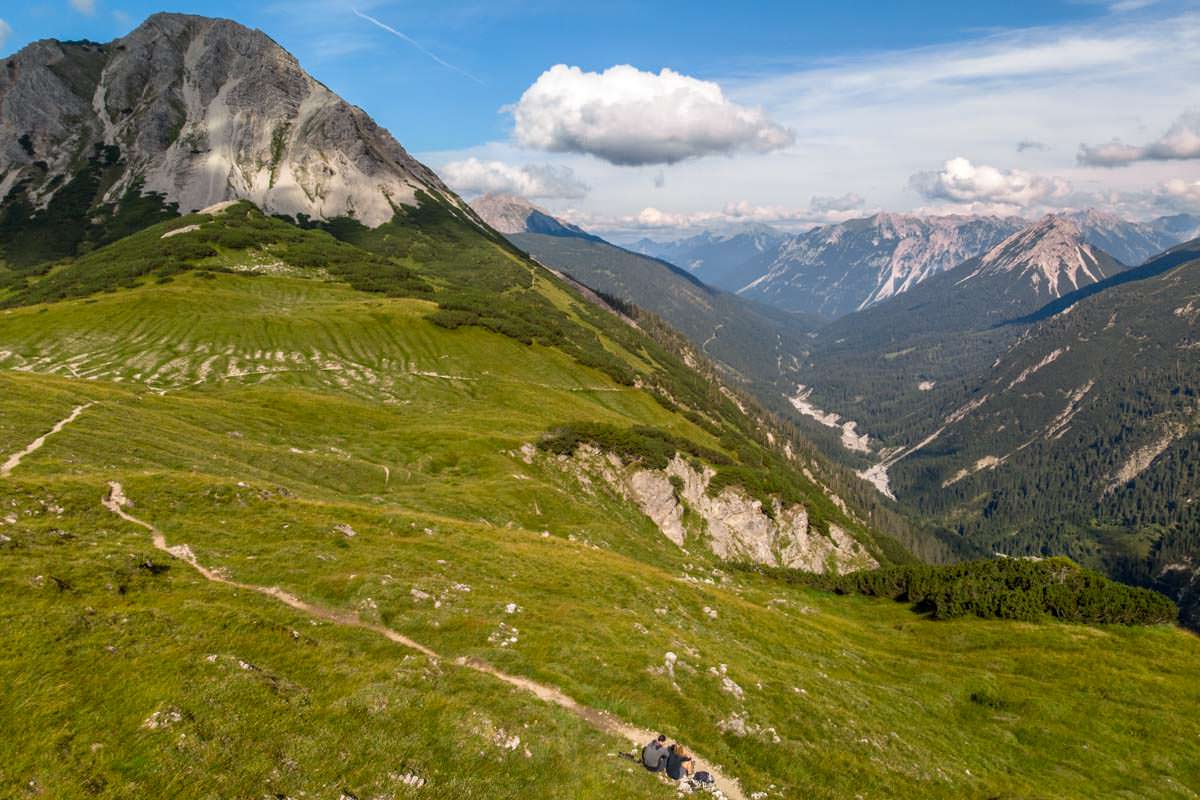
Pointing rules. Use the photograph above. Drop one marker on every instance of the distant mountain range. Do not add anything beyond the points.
(1040, 398)
(1132, 243)
(717, 258)
(834, 270)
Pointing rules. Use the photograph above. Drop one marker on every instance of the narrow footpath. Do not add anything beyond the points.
(14, 460)
(116, 502)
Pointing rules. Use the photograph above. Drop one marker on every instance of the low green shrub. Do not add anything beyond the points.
(650, 447)
(1002, 588)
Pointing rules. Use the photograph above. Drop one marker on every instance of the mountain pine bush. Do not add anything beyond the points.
(1002, 588)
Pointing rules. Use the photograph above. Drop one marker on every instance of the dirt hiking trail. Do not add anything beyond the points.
(15, 459)
(116, 502)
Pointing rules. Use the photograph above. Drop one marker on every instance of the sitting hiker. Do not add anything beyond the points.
(654, 755)
(677, 762)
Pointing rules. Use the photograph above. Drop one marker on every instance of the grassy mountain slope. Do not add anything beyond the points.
(362, 448)
(753, 342)
(862, 695)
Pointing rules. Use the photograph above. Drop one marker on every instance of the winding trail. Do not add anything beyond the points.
(116, 502)
(15, 459)
(711, 339)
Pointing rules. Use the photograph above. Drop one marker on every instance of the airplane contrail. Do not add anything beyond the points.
(415, 44)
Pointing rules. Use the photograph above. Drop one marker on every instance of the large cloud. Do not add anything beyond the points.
(1181, 141)
(630, 117)
(473, 176)
(960, 181)
(5, 32)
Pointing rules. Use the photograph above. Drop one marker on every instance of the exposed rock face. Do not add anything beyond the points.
(837, 269)
(1050, 257)
(735, 526)
(203, 111)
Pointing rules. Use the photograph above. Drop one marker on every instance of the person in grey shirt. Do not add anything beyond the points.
(654, 755)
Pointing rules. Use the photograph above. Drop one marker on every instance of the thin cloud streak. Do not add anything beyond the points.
(415, 44)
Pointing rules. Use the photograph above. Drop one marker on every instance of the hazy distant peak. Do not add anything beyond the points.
(511, 214)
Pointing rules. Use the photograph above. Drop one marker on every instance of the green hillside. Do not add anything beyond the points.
(753, 343)
(369, 552)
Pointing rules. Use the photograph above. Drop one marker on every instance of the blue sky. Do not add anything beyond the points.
(508, 44)
(872, 114)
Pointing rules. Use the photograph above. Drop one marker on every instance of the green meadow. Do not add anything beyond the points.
(295, 432)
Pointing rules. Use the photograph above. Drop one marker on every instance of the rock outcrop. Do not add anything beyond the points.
(729, 522)
(202, 111)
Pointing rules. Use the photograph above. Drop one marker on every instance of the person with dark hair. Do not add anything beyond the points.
(654, 755)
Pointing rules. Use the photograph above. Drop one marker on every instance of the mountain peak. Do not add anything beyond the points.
(200, 111)
(1051, 255)
(511, 214)
(507, 213)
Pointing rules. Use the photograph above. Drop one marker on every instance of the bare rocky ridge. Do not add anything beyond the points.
(202, 111)
(1131, 242)
(838, 269)
(1050, 256)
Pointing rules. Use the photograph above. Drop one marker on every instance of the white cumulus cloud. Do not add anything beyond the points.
(5, 32)
(1181, 141)
(630, 117)
(473, 176)
(960, 181)
(84, 6)
(1178, 193)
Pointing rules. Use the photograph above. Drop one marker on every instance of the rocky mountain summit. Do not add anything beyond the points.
(837, 269)
(1049, 258)
(197, 111)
